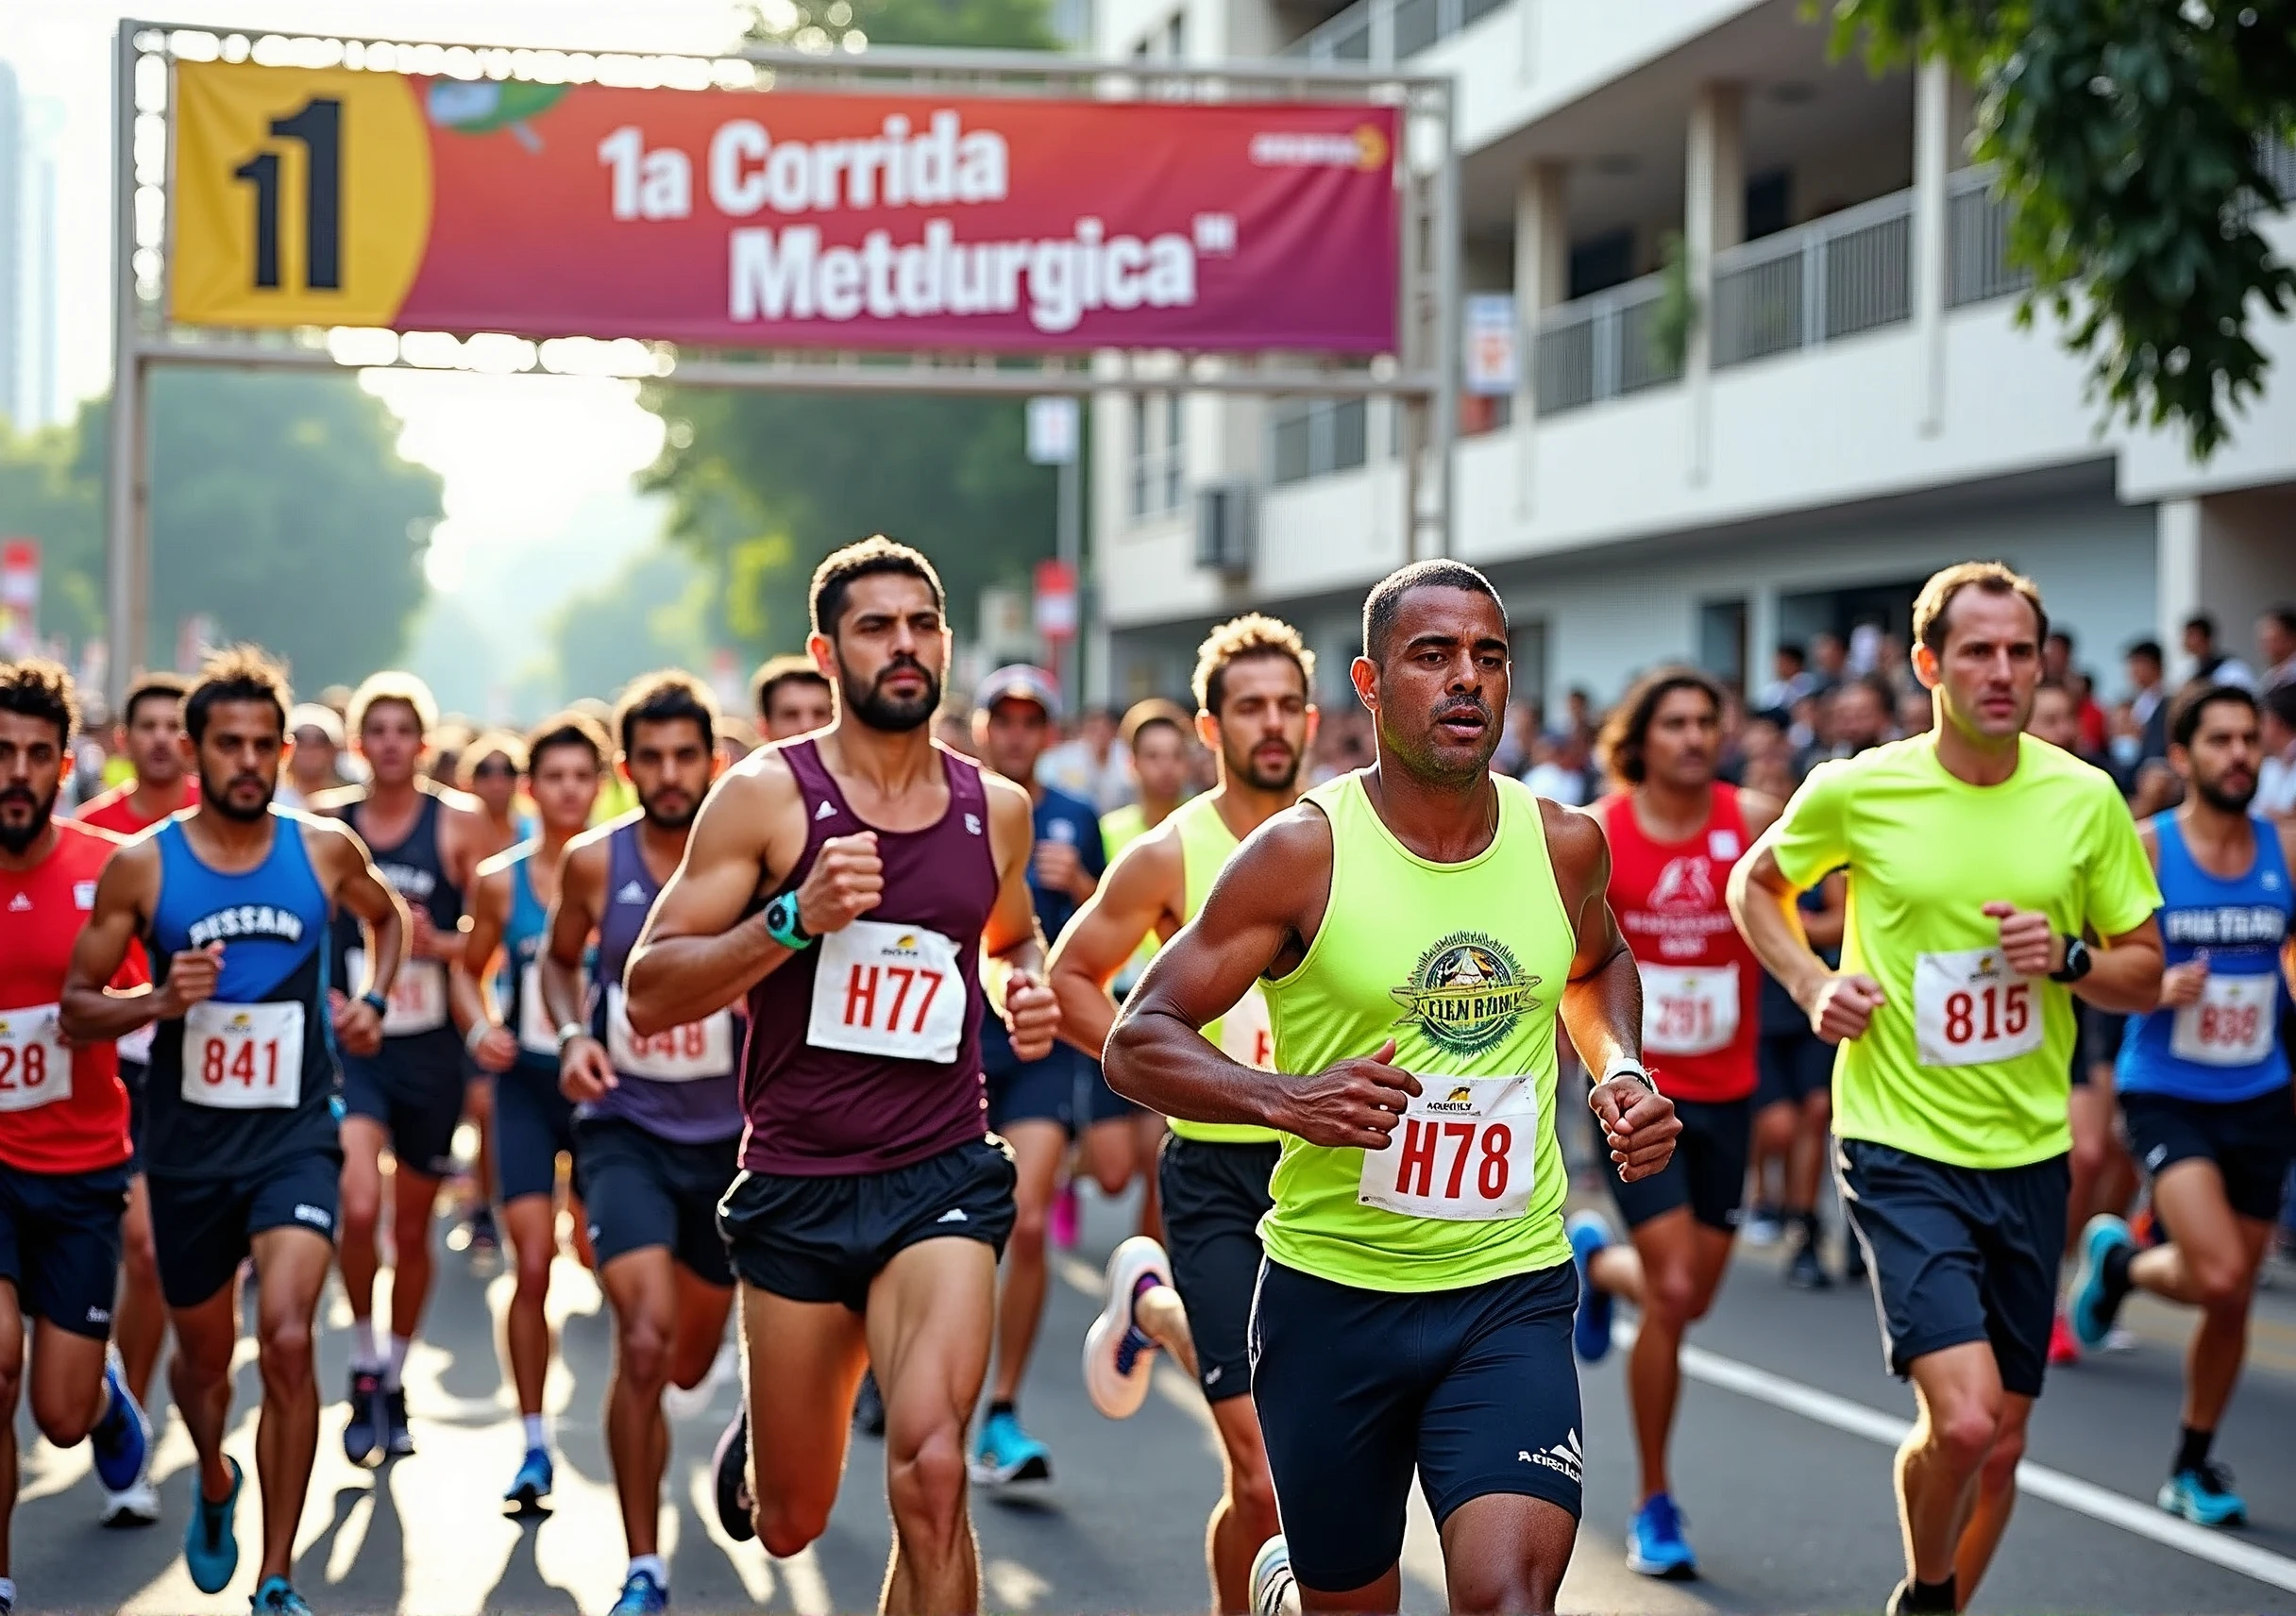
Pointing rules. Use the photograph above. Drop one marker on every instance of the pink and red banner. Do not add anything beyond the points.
(785, 220)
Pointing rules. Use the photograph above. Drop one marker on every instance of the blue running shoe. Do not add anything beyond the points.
(1590, 1330)
(2095, 1303)
(1008, 1453)
(1655, 1544)
(641, 1596)
(121, 1441)
(210, 1548)
(278, 1597)
(529, 1489)
(2204, 1496)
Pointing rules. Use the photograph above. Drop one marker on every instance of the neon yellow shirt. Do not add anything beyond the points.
(1463, 964)
(1964, 1063)
(1244, 1033)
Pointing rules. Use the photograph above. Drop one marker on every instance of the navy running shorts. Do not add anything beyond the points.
(1474, 1389)
(639, 1189)
(203, 1228)
(414, 1089)
(827, 1237)
(533, 1126)
(2251, 1141)
(1791, 1066)
(1214, 1195)
(59, 1244)
(1959, 1254)
(1707, 1173)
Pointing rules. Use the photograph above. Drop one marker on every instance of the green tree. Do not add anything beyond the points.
(42, 497)
(2126, 137)
(650, 615)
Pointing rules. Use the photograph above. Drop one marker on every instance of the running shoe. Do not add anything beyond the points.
(2096, 1304)
(1765, 1226)
(121, 1441)
(136, 1506)
(869, 1406)
(482, 1237)
(1805, 1270)
(397, 1436)
(1655, 1544)
(641, 1596)
(730, 1476)
(1062, 1220)
(2203, 1496)
(529, 1489)
(2063, 1351)
(278, 1597)
(1007, 1453)
(1118, 1353)
(362, 1430)
(211, 1547)
(1274, 1591)
(1590, 1330)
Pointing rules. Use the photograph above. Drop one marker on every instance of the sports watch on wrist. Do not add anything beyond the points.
(568, 1033)
(374, 1000)
(783, 925)
(2077, 962)
(1634, 1069)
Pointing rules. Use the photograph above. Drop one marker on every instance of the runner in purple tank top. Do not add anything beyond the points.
(868, 889)
(657, 1111)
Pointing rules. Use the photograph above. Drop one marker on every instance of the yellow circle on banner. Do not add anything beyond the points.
(301, 196)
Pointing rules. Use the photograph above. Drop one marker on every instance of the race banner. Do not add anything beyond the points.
(333, 196)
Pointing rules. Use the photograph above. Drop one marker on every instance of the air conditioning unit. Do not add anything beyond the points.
(1228, 528)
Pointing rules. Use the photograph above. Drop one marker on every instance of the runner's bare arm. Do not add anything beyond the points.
(1260, 917)
(1601, 1004)
(1763, 903)
(582, 891)
(1012, 947)
(356, 888)
(705, 945)
(485, 913)
(1134, 897)
(89, 1010)
(2125, 980)
(465, 838)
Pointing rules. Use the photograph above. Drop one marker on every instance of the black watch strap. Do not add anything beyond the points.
(2077, 961)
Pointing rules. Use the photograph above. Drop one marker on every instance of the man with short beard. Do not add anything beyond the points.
(656, 1110)
(64, 1152)
(2203, 1083)
(233, 902)
(150, 734)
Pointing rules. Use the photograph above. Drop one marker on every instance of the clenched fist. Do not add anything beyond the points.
(1032, 1015)
(1355, 1102)
(191, 975)
(1843, 1008)
(846, 882)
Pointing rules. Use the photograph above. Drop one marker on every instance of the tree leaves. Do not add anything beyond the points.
(2130, 137)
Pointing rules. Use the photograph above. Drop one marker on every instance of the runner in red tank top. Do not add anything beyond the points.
(868, 889)
(1675, 831)
(151, 734)
(63, 1115)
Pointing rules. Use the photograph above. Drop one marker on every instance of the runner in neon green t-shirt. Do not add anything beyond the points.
(1978, 858)
(1415, 928)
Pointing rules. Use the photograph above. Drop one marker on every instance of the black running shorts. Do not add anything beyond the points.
(203, 1228)
(1707, 1173)
(2251, 1142)
(1214, 1196)
(639, 1190)
(413, 1088)
(534, 1125)
(59, 1244)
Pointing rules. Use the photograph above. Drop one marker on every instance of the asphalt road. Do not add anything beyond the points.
(1782, 1464)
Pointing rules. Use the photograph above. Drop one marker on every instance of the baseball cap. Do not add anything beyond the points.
(1018, 681)
(310, 716)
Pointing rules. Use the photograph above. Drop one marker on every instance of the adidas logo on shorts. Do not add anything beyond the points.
(1565, 1457)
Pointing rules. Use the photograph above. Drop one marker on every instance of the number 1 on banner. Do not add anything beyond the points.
(317, 126)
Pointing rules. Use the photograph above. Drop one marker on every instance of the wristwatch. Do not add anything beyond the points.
(2077, 962)
(783, 925)
(1624, 1068)
(568, 1033)
(374, 1000)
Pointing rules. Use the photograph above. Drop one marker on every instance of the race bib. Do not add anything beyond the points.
(679, 1055)
(136, 1046)
(417, 999)
(536, 1036)
(1464, 1151)
(1246, 1034)
(1689, 1010)
(1970, 1008)
(2233, 1024)
(244, 1057)
(883, 989)
(35, 1067)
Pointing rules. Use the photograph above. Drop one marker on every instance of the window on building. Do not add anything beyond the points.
(1315, 437)
(1601, 262)
(1175, 36)
(1159, 459)
(1769, 202)
(1722, 641)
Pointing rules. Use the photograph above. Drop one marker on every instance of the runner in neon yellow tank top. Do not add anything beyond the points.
(1415, 927)
(1977, 857)
(1253, 685)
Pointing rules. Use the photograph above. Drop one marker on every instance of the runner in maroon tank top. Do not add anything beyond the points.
(867, 888)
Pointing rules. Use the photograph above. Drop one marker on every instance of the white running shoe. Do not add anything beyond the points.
(681, 1403)
(1274, 1591)
(1119, 1356)
(139, 1505)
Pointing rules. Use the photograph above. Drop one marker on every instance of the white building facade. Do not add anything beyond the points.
(1853, 405)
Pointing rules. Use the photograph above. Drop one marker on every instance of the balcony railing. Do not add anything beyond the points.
(1977, 241)
(1599, 347)
(1833, 277)
(1384, 32)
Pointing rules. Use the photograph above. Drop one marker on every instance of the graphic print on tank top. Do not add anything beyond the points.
(414, 869)
(681, 1084)
(1701, 984)
(2226, 1047)
(864, 1048)
(249, 1076)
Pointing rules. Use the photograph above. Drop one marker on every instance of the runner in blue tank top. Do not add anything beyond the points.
(2204, 1081)
(407, 1098)
(508, 1031)
(656, 1115)
(232, 904)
